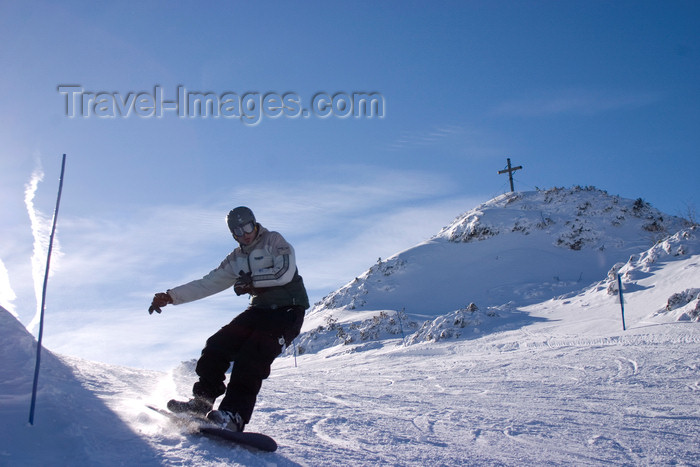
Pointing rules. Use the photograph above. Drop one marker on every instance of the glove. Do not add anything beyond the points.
(244, 283)
(159, 300)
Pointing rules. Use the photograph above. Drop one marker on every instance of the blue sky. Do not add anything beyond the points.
(578, 92)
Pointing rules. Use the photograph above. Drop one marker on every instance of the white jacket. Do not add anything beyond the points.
(270, 260)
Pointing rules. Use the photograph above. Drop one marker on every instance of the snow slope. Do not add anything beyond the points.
(551, 381)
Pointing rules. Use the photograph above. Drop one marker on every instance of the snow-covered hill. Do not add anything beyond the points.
(515, 250)
(550, 379)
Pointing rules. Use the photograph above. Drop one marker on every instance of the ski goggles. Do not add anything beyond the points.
(244, 229)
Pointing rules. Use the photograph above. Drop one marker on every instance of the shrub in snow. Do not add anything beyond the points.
(384, 325)
(472, 230)
(679, 244)
(695, 312)
(678, 300)
(578, 235)
(612, 277)
(685, 305)
(452, 325)
(682, 243)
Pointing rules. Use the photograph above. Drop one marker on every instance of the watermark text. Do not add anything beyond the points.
(250, 107)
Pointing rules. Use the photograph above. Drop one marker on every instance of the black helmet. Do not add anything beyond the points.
(241, 220)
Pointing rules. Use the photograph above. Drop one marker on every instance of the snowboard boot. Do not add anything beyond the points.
(196, 406)
(226, 420)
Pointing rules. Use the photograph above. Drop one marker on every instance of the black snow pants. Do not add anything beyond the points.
(251, 341)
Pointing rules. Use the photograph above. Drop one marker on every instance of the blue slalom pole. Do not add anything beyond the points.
(622, 300)
(43, 295)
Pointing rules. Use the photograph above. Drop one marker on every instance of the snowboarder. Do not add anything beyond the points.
(263, 266)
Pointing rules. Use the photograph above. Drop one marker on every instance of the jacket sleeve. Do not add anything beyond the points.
(216, 281)
(284, 264)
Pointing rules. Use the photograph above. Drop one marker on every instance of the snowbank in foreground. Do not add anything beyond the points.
(71, 424)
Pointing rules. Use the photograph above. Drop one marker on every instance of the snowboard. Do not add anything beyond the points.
(203, 426)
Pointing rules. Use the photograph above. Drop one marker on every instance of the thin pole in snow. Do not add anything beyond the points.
(622, 300)
(43, 295)
(295, 355)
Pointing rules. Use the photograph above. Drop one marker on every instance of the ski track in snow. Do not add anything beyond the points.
(505, 400)
(577, 405)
